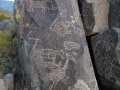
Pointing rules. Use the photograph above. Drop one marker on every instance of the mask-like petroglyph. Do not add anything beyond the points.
(41, 4)
(71, 45)
(67, 23)
(62, 29)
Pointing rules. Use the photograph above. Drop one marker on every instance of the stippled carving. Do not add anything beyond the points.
(71, 45)
(64, 28)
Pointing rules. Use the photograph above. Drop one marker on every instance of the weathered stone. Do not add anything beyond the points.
(94, 15)
(87, 17)
(7, 82)
(52, 46)
(106, 49)
(114, 14)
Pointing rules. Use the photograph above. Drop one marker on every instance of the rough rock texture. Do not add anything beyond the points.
(114, 14)
(106, 49)
(94, 15)
(52, 46)
(7, 82)
(87, 16)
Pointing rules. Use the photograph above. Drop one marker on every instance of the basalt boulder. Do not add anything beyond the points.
(52, 46)
(106, 51)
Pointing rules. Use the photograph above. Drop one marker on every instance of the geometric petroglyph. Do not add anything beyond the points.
(34, 45)
(62, 29)
(51, 54)
(71, 45)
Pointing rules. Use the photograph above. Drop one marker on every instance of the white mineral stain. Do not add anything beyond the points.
(80, 85)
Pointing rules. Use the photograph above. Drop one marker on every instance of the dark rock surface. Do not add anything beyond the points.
(87, 16)
(106, 49)
(52, 46)
(94, 15)
(114, 14)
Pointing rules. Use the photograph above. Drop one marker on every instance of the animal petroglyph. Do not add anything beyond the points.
(34, 45)
(42, 58)
(71, 45)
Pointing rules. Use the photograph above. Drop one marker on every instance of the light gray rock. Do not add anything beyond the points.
(94, 15)
(7, 82)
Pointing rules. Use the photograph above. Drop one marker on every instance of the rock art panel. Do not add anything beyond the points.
(52, 46)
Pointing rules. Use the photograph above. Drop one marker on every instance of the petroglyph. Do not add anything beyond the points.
(42, 57)
(62, 29)
(52, 49)
(34, 45)
(46, 59)
(71, 45)
(41, 4)
(58, 74)
(70, 57)
(51, 54)
(70, 26)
